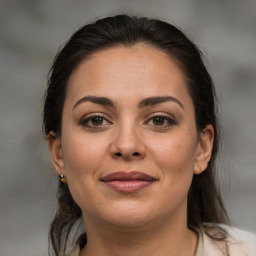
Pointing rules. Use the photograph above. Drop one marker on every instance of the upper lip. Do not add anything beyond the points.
(125, 176)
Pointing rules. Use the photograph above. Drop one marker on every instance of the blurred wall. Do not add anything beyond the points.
(31, 32)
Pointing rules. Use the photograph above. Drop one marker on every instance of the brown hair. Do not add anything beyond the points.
(205, 204)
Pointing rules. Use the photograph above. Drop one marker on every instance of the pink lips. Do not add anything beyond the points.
(128, 181)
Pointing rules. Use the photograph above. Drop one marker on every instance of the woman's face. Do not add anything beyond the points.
(129, 145)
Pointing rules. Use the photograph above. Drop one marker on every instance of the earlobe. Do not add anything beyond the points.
(54, 144)
(204, 149)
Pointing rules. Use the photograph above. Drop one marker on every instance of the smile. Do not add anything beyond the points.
(128, 182)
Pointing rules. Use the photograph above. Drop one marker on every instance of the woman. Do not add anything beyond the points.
(133, 135)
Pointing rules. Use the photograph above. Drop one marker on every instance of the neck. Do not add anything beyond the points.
(172, 238)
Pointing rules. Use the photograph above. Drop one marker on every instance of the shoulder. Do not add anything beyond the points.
(243, 241)
(238, 243)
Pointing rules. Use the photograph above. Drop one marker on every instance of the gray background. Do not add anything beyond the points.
(30, 34)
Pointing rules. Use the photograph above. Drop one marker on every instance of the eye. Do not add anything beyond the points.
(94, 121)
(160, 120)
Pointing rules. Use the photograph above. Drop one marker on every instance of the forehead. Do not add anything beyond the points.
(139, 70)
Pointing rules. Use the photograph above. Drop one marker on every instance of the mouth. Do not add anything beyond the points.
(128, 182)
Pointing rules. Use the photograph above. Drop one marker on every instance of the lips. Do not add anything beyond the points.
(128, 182)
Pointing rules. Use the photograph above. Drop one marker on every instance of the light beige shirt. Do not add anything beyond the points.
(240, 243)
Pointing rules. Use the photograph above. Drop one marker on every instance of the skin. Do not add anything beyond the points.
(129, 137)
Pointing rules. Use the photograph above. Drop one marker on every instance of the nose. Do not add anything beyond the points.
(127, 143)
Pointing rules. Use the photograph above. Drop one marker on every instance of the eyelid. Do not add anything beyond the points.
(162, 114)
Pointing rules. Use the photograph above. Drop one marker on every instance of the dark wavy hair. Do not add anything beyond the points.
(205, 204)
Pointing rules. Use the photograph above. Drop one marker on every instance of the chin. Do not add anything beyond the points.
(129, 221)
(124, 215)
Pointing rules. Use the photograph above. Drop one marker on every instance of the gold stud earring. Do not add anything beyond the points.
(63, 179)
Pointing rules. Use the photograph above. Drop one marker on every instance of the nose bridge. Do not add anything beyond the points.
(127, 141)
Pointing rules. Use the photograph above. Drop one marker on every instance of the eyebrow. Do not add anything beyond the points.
(151, 101)
(158, 100)
(95, 99)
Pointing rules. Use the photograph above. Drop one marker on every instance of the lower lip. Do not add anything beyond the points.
(129, 186)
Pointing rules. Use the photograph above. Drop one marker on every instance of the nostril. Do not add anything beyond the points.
(134, 154)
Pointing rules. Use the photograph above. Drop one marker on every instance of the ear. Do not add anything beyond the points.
(204, 149)
(54, 144)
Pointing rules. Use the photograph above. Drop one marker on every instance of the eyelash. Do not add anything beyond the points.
(166, 119)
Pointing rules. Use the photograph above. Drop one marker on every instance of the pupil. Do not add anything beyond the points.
(97, 121)
(158, 120)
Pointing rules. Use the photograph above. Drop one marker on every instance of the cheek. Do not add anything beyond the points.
(175, 156)
(82, 164)
(82, 155)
